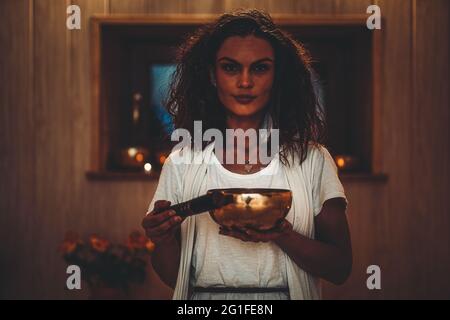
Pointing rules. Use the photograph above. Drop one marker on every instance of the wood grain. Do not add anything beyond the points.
(352, 6)
(367, 229)
(397, 142)
(315, 6)
(81, 218)
(204, 6)
(430, 150)
(53, 140)
(136, 6)
(17, 156)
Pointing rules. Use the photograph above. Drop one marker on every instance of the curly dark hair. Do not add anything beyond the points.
(293, 104)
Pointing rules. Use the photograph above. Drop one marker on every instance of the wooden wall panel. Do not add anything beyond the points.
(17, 163)
(234, 4)
(115, 211)
(315, 7)
(397, 141)
(282, 6)
(352, 6)
(112, 212)
(164, 6)
(137, 6)
(84, 216)
(368, 244)
(430, 151)
(53, 141)
(79, 92)
(204, 6)
(365, 214)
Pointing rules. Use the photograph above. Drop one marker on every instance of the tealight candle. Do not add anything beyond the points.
(147, 167)
(346, 162)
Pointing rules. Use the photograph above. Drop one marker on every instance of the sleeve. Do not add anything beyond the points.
(168, 185)
(326, 183)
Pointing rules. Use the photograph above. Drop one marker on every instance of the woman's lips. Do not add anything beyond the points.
(244, 99)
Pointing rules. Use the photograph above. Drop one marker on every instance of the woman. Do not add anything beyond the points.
(242, 72)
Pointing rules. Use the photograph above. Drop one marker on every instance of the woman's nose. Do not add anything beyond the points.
(245, 80)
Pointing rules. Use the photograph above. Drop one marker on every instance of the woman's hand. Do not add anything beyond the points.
(255, 236)
(161, 226)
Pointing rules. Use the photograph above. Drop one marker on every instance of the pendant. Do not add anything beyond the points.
(248, 167)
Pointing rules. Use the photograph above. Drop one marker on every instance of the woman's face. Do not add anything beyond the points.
(244, 73)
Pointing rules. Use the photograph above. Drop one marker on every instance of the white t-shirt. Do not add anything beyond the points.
(224, 261)
(214, 256)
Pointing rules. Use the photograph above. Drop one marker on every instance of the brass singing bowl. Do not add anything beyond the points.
(257, 208)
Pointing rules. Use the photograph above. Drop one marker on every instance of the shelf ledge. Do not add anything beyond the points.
(154, 175)
(363, 177)
(122, 176)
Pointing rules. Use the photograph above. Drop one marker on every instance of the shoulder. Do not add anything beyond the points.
(183, 158)
(316, 153)
(317, 160)
(176, 161)
(319, 157)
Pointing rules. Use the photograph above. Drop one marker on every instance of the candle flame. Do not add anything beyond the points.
(139, 157)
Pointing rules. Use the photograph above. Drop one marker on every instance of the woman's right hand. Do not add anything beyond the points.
(161, 226)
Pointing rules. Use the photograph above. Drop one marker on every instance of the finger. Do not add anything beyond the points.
(164, 237)
(258, 236)
(284, 227)
(153, 220)
(164, 227)
(286, 224)
(225, 229)
(167, 235)
(238, 236)
(229, 231)
(277, 228)
(241, 234)
(161, 230)
(161, 204)
(234, 234)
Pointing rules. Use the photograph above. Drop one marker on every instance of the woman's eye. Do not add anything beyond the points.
(229, 67)
(261, 68)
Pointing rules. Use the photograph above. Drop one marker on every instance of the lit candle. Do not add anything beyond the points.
(139, 157)
(346, 162)
(132, 152)
(162, 159)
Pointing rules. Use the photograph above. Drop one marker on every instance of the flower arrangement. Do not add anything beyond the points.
(104, 264)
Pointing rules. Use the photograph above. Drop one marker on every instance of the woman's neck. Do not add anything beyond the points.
(245, 123)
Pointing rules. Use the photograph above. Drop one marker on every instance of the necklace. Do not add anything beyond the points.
(248, 167)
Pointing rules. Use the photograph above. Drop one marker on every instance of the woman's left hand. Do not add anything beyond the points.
(255, 236)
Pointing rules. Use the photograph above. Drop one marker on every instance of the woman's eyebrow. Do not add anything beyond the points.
(257, 61)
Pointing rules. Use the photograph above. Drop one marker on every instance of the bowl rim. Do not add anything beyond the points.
(249, 190)
(285, 193)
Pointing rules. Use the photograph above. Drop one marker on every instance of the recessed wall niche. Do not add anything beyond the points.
(133, 57)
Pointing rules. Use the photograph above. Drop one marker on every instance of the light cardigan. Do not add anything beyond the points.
(300, 178)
